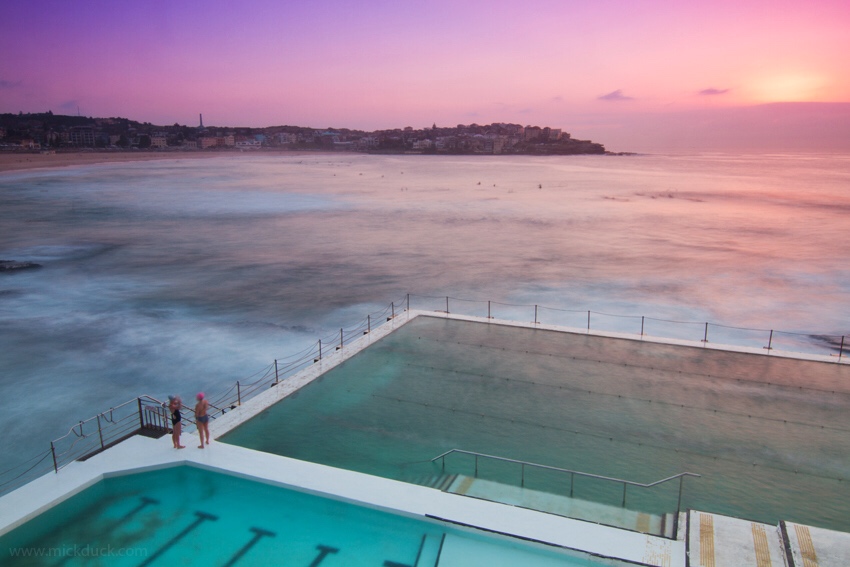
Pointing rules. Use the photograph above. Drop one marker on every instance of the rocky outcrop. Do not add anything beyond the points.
(13, 266)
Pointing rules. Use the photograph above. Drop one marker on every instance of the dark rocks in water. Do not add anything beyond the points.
(12, 266)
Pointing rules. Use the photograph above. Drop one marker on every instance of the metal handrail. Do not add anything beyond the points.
(572, 473)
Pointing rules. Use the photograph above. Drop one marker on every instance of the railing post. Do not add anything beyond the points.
(625, 485)
(641, 326)
(141, 417)
(408, 302)
(572, 483)
(488, 309)
(238, 393)
(841, 348)
(447, 305)
(705, 336)
(476, 466)
(770, 341)
(53, 452)
(368, 324)
(444, 463)
(535, 313)
(340, 339)
(320, 349)
(679, 501)
(99, 431)
(522, 476)
(588, 319)
(392, 306)
(276, 375)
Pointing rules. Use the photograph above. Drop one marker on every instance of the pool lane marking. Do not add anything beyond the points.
(324, 551)
(146, 501)
(706, 540)
(807, 546)
(259, 533)
(201, 518)
(761, 546)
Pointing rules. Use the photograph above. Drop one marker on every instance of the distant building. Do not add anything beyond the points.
(249, 145)
(532, 133)
(159, 142)
(82, 136)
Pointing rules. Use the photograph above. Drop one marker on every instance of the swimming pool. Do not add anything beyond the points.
(769, 435)
(188, 516)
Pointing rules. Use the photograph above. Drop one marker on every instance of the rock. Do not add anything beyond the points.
(12, 266)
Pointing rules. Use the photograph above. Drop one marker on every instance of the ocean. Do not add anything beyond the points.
(182, 275)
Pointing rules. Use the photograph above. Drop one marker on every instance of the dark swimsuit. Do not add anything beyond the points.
(203, 418)
(175, 417)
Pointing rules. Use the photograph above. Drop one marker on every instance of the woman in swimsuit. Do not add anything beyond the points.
(203, 419)
(174, 404)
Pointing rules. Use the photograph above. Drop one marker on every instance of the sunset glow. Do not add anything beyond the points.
(383, 64)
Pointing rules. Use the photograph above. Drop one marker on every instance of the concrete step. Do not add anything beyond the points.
(616, 516)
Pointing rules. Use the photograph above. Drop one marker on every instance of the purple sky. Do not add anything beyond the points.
(635, 75)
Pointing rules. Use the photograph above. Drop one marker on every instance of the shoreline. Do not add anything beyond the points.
(22, 161)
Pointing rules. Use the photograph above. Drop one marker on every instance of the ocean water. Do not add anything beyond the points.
(186, 275)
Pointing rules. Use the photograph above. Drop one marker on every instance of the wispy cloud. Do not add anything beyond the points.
(615, 96)
(4, 84)
(712, 92)
(69, 106)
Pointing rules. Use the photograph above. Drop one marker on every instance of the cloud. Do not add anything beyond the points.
(615, 96)
(69, 105)
(712, 92)
(4, 84)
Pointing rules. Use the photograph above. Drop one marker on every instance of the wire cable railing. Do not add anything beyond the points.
(146, 413)
(826, 344)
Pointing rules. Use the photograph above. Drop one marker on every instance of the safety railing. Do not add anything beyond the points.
(832, 345)
(80, 439)
(88, 437)
(572, 473)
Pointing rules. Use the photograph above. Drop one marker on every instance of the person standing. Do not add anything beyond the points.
(202, 418)
(174, 404)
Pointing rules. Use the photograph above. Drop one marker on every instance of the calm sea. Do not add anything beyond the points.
(182, 275)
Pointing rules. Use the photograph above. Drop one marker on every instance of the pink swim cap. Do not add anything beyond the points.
(200, 395)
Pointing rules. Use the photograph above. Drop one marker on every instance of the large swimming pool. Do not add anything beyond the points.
(184, 515)
(770, 436)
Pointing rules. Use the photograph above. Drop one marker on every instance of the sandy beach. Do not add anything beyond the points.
(15, 161)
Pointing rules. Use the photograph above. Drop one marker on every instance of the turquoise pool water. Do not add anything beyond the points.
(188, 516)
(769, 436)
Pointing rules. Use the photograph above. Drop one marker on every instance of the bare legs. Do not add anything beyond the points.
(203, 433)
(175, 435)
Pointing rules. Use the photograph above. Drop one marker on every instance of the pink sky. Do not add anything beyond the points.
(634, 75)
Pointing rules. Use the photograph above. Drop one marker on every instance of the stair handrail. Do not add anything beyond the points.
(572, 473)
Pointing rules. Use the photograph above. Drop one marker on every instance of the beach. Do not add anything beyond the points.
(19, 161)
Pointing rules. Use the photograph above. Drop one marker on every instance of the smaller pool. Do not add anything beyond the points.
(189, 516)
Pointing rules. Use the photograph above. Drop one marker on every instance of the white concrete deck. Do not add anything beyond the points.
(721, 541)
(817, 547)
(140, 453)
